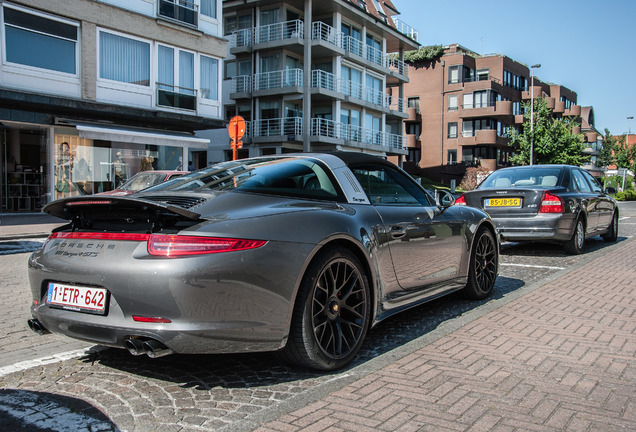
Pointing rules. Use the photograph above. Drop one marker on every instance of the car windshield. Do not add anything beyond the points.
(523, 177)
(143, 180)
(297, 177)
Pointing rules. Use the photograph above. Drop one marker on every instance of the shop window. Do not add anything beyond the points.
(39, 41)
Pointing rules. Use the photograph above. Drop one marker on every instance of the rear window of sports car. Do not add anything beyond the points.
(293, 177)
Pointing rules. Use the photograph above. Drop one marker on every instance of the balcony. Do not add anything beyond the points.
(483, 137)
(291, 127)
(172, 96)
(406, 29)
(327, 37)
(413, 141)
(573, 111)
(290, 79)
(356, 92)
(241, 84)
(183, 11)
(414, 115)
(357, 136)
(498, 109)
(559, 107)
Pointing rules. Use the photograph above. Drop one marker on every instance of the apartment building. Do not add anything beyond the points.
(92, 92)
(310, 75)
(462, 105)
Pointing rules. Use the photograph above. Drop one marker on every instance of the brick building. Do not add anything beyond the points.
(462, 104)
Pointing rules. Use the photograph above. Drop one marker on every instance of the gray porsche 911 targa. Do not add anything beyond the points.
(299, 254)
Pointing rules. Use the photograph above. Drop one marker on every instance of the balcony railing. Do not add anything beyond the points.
(241, 38)
(324, 32)
(169, 95)
(329, 81)
(278, 126)
(180, 10)
(241, 84)
(279, 31)
(406, 29)
(278, 79)
(397, 65)
(332, 129)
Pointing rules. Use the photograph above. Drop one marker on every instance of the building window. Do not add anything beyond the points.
(208, 8)
(414, 102)
(378, 7)
(482, 74)
(39, 41)
(234, 23)
(451, 157)
(453, 74)
(452, 130)
(413, 129)
(181, 10)
(124, 59)
(176, 66)
(452, 102)
(414, 156)
(209, 78)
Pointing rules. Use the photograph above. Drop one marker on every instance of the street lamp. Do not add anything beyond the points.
(532, 109)
(628, 119)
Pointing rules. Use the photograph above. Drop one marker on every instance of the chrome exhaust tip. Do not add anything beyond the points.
(37, 327)
(155, 349)
(134, 346)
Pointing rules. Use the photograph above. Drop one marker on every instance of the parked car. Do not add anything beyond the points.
(556, 203)
(143, 180)
(297, 253)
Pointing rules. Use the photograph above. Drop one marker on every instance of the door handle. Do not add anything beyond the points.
(398, 232)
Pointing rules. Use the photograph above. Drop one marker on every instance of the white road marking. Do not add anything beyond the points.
(532, 266)
(27, 364)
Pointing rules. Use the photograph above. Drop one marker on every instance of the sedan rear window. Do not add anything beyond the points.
(523, 177)
(294, 177)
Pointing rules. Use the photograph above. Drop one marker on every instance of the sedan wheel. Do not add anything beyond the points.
(612, 231)
(331, 315)
(484, 262)
(577, 242)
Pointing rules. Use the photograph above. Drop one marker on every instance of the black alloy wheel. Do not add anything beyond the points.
(332, 313)
(484, 264)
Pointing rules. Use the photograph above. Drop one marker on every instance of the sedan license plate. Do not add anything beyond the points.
(503, 202)
(77, 298)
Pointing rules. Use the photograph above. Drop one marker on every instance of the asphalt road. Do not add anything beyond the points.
(107, 389)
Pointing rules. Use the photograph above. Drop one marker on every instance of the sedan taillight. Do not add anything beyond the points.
(179, 245)
(461, 200)
(551, 203)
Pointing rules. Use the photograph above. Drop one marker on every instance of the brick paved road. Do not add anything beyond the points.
(560, 358)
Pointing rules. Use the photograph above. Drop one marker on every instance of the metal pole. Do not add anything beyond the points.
(532, 110)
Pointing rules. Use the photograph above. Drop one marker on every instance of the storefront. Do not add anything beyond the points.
(41, 163)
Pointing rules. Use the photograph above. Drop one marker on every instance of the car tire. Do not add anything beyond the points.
(482, 269)
(331, 314)
(576, 244)
(612, 231)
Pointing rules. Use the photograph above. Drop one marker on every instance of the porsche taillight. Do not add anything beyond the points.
(461, 200)
(180, 245)
(551, 203)
(170, 246)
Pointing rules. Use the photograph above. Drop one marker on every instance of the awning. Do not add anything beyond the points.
(139, 136)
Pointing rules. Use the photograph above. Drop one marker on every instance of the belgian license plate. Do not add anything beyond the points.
(503, 202)
(77, 298)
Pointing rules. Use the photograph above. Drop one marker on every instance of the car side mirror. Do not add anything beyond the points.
(444, 198)
(610, 190)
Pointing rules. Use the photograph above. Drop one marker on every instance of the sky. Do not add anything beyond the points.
(588, 46)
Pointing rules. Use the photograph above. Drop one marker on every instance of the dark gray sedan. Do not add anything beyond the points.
(296, 253)
(558, 203)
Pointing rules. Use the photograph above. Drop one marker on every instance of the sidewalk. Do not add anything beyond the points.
(562, 357)
(27, 225)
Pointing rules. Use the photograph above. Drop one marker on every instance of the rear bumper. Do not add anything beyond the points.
(548, 227)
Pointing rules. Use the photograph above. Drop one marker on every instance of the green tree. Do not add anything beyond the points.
(606, 154)
(554, 141)
(624, 155)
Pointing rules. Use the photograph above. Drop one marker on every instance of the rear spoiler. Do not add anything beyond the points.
(69, 208)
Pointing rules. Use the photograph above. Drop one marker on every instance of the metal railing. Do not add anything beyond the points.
(278, 79)
(278, 127)
(241, 84)
(279, 31)
(332, 129)
(324, 32)
(241, 38)
(397, 65)
(406, 29)
(329, 81)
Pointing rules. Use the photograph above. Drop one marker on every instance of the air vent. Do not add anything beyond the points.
(353, 181)
(173, 200)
